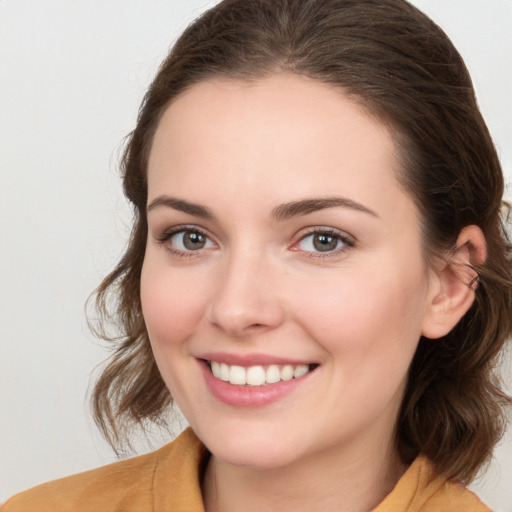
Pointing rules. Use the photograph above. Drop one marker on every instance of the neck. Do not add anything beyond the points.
(330, 481)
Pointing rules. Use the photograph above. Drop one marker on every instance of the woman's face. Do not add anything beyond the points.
(280, 243)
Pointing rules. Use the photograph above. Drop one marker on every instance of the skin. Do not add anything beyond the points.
(259, 286)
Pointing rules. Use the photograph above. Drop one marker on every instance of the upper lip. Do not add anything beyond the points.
(250, 359)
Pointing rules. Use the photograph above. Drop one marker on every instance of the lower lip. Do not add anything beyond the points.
(249, 396)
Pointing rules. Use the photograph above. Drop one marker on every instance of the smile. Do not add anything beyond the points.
(257, 375)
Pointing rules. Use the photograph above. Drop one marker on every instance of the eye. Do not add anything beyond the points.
(186, 240)
(324, 241)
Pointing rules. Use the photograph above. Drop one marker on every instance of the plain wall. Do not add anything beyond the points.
(72, 74)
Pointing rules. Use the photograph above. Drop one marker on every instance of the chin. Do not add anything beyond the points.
(250, 446)
(256, 458)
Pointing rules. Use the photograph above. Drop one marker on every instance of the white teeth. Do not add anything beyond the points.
(300, 370)
(224, 372)
(257, 375)
(273, 374)
(237, 375)
(215, 366)
(287, 372)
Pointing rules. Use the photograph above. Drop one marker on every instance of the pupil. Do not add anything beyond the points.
(325, 243)
(193, 241)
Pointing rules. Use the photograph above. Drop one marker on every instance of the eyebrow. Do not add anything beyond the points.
(304, 206)
(279, 213)
(182, 206)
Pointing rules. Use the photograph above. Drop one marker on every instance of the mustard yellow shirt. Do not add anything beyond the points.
(168, 480)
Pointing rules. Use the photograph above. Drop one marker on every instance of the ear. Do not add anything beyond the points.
(453, 284)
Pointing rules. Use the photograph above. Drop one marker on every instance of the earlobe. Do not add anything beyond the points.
(453, 285)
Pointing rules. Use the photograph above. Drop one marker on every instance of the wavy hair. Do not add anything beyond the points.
(403, 69)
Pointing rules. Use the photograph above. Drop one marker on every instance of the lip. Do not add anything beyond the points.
(250, 397)
(247, 360)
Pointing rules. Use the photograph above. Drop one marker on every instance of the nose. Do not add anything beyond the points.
(246, 298)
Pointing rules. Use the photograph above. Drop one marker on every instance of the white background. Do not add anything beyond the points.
(72, 75)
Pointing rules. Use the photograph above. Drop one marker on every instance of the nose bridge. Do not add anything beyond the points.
(245, 298)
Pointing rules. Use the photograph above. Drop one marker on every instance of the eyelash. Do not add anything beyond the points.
(346, 241)
(166, 237)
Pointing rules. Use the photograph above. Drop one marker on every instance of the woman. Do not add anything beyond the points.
(318, 273)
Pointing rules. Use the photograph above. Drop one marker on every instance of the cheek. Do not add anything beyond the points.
(172, 304)
(374, 316)
(369, 329)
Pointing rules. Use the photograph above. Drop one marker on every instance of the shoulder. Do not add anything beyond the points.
(421, 489)
(125, 485)
(454, 497)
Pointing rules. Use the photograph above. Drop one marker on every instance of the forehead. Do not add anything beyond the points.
(266, 107)
(280, 136)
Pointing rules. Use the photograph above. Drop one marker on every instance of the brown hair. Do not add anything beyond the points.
(403, 69)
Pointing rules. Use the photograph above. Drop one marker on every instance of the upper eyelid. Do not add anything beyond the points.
(184, 227)
(165, 237)
(325, 230)
(299, 236)
(348, 242)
